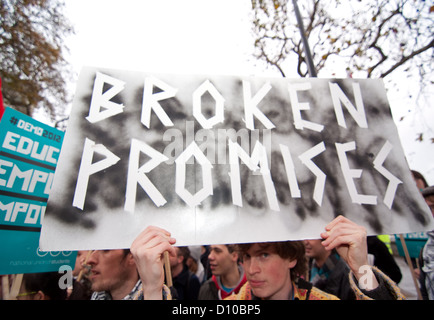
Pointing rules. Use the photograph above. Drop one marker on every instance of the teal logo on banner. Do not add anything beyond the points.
(29, 152)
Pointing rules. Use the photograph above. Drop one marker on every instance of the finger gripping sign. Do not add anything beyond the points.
(218, 159)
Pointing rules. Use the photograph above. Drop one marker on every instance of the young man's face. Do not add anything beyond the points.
(267, 273)
(109, 269)
(221, 261)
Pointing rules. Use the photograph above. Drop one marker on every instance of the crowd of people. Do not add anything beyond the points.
(343, 263)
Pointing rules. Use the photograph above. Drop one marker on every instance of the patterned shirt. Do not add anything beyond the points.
(105, 295)
(387, 289)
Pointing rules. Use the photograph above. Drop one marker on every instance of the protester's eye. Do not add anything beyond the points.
(246, 257)
(265, 255)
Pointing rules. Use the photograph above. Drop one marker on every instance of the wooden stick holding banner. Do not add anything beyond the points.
(16, 284)
(410, 265)
(169, 282)
(10, 292)
(5, 287)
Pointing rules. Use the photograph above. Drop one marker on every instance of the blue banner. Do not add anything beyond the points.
(29, 152)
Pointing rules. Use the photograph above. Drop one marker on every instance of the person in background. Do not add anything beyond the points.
(383, 260)
(327, 271)
(205, 262)
(228, 275)
(41, 286)
(419, 179)
(194, 264)
(426, 278)
(81, 264)
(81, 288)
(185, 282)
(421, 184)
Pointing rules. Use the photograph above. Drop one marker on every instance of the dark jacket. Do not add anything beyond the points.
(187, 285)
(336, 282)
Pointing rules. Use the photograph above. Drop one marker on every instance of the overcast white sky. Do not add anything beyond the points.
(189, 36)
(199, 37)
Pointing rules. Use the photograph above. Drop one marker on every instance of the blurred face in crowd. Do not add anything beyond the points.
(79, 262)
(430, 202)
(221, 261)
(176, 260)
(268, 273)
(420, 184)
(111, 269)
(314, 248)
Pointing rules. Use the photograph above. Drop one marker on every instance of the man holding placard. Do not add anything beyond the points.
(218, 159)
(268, 273)
(202, 155)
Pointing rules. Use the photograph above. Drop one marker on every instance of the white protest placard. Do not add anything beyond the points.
(216, 159)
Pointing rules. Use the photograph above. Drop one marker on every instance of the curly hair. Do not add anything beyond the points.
(292, 250)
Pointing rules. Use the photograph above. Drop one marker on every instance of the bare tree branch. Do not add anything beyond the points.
(407, 58)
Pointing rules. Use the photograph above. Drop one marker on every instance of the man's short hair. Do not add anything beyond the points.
(292, 250)
(231, 247)
(185, 252)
